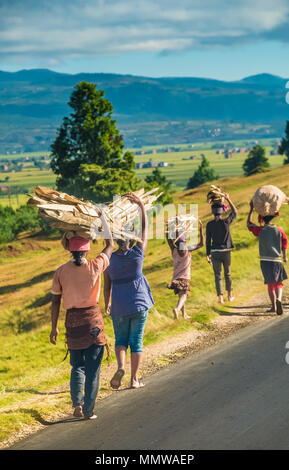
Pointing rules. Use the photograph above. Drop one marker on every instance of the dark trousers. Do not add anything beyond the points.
(85, 376)
(219, 259)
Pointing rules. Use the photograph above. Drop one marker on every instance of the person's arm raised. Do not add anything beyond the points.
(250, 222)
(231, 204)
(144, 220)
(107, 235)
(169, 240)
(201, 242)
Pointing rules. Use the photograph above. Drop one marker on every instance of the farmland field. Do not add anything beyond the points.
(180, 168)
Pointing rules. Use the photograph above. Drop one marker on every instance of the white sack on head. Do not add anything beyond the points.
(268, 199)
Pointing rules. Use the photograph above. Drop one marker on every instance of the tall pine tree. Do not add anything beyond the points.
(203, 174)
(256, 161)
(157, 180)
(90, 149)
(284, 146)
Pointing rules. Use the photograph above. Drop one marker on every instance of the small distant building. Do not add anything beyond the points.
(228, 153)
(4, 189)
(4, 167)
(139, 165)
(163, 164)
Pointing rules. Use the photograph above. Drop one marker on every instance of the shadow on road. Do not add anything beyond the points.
(37, 416)
(259, 313)
(33, 391)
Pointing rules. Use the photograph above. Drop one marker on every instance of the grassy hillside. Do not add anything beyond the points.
(30, 367)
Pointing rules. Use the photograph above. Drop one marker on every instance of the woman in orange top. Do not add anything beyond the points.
(77, 284)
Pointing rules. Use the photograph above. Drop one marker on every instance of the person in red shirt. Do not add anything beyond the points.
(273, 244)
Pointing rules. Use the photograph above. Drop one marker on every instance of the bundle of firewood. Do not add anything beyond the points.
(216, 195)
(179, 226)
(71, 214)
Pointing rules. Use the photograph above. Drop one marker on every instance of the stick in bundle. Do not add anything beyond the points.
(182, 225)
(69, 213)
(216, 195)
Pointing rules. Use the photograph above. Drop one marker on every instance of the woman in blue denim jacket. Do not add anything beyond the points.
(131, 299)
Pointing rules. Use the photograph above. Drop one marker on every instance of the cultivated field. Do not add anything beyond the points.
(180, 168)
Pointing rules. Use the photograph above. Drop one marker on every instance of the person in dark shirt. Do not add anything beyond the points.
(273, 244)
(219, 245)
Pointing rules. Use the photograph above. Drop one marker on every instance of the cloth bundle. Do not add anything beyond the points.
(268, 200)
(80, 218)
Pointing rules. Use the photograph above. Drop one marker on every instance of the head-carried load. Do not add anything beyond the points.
(179, 226)
(268, 200)
(81, 218)
(216, 197)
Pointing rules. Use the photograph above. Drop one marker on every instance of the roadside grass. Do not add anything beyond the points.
(34, 379)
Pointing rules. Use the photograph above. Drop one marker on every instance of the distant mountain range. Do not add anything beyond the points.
(33, 102)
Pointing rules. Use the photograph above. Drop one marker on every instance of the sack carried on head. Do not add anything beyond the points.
(268, 199)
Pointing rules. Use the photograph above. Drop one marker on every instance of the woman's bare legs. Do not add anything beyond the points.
(135, 360)
(180, 304)
(185, 316)
(272, 297)
(279, 308)
(120, 352)
(279, 291)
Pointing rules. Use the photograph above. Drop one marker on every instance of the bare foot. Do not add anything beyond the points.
(230, 296)
(136, 384)
(221, 299)
(90, 417)
(78, 412)
(176, 315)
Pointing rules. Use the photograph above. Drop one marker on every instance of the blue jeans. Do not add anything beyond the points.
(85, 374)
(128, 330)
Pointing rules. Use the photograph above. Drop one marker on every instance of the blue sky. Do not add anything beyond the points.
(207, 38)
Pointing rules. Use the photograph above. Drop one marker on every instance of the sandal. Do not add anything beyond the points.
(78, 412)
(115, 382)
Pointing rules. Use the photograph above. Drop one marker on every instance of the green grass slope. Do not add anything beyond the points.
(31, 369)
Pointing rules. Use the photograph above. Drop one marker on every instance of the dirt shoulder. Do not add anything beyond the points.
(158, 355)
(161, 354)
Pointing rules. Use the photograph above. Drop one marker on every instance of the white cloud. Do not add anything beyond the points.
(59, 30)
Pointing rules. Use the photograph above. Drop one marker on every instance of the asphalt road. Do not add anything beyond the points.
(233, 396)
